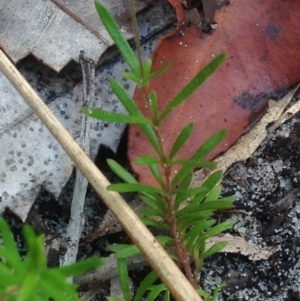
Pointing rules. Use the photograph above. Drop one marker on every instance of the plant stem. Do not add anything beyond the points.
(136, 36)
(179, 245)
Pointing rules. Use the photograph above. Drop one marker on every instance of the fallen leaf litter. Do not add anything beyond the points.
(246, 187)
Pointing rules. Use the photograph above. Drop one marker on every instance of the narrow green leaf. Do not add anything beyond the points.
(147, 68)
(129, 251)
(192, 86)
(200, 154)
(212, 205)
(28, 288)
(181, 174)
(55, 285)
(151, 136)
(114, 117)
(148, 159)
(117, 36)
(185, 184)
(118, 247)
(216, 205)
(199, 227)
(217, 247)
(217, 290)
(131, 76)
(8, 276)
(209, 145)
(124, 279)
(124, 187)
(214, 194)
(132, 109)
(9, 244)
(145, 284)
(216, 230)
(231, 199)
(155, 202)
(193, 216)
(121, 172)
(164, 240)
(125, 98)
(152, 212)
(153, 104)
(195, 249)
(195, 202)
(211, 182)
(186, 220)
(157, 175)
(81, 267)
(35, 258)
(167, 295)
(190, 192)
(181, 139)
(153, 223)
(180, 198)
(204, 295)
(112, 299)
(10, 260)
(192, 164)
(155, 291)
(161, 71)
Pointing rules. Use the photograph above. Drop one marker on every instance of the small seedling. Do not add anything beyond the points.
(29, 278)
(187, 228)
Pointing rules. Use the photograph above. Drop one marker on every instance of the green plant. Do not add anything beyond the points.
(188, 227)
(29, 279)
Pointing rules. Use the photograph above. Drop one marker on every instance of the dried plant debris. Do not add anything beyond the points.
(239, 245)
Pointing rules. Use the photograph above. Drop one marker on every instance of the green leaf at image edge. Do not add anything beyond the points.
(124, 278)
(80, 267)
(116, 35)
(114, 117)
(145, 284)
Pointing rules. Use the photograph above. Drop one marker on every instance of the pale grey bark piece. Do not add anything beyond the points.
(77, 220)
(57, 33)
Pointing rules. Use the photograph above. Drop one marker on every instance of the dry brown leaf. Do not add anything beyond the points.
(247, 145)
(257, 68)
(239, 245)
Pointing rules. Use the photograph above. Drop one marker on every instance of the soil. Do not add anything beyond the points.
(272, 173)
(259, 184)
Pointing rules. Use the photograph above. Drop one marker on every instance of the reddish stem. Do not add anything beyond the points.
(179, 245)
